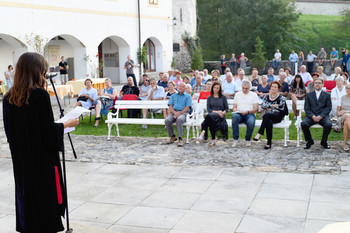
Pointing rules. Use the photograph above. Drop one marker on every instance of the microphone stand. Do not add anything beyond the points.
(50, 76)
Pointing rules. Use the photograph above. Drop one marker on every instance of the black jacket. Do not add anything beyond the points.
(321, 107)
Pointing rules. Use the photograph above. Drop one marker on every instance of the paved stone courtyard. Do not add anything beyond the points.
(140, 185)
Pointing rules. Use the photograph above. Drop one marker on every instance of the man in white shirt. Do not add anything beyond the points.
(156, 93)
(239, 80)
(276, 59)
(245, 105)
(222, 77)
(293, 58)
(206, 75)
(229, 88)
(310, 61)
(305, 75)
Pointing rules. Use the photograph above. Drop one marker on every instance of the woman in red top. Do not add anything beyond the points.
(205, 94)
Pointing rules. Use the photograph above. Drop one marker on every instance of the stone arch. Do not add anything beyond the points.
(74, 52)
(113, 51)
(11, 49)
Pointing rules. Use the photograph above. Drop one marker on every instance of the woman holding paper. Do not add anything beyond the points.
(35, 141)
(105, 101)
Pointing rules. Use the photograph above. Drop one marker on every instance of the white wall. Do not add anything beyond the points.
(90, 22)
(109, 46)
(321, 8)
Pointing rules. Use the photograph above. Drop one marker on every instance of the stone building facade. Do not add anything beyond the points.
(186, 21)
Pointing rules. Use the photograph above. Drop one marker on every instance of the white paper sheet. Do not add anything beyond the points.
(74, 114)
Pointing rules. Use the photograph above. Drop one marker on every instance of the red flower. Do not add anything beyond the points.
(97, 55)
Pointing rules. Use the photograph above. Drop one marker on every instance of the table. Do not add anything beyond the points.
(62, 90)
(3, 89)
(78, 85)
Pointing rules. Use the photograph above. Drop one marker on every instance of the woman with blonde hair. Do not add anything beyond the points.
(343, 113)
(321, 75)
(35, 141)
(255, 79)
(337, 73)
(300, 59)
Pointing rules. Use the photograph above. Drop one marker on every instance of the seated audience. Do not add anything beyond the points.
(156, 93)
(189, 91)
(310, 85)
(245, 105)
(337, 74)
(339, 90)
(222, 78)
(88, 95)
(203, 95)
(164, 82)
(206, 76)
(192, 78)
(297, 92)
(270, 76)
(186, 80)
(178, 79)
(289, 78)
(321, 75)
(263, 88)
(217, 108)
(145, 89)
(105, 101)
(274, 109)
(344, 116)
(171, 91)
(228, 87)
(144, 77)
(239, 79)
(318, 105)
(172, 75)
(179, 105)
(284, 86)
(130, 88)
(305, 75)
(255, 79)
(198, 87)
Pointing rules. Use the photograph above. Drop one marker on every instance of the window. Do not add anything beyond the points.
(151, 56)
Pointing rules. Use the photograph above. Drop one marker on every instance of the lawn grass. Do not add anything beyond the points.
(85, 127)
(321, 31)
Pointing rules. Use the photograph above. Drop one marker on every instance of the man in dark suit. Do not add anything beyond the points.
(318, 105)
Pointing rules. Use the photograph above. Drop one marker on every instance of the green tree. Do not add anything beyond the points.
(258, 57)
(228, 26)
(197, 60)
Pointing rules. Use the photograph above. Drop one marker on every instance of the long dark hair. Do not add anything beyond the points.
(212, 88)
(301, 84)
(30, 73)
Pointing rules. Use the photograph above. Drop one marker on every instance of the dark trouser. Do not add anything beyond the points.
(233, 69)
(308, 122)
(267, 123)
(210, 121)
(310, 65)
(344, 68)
(223, 69)
(133, 77)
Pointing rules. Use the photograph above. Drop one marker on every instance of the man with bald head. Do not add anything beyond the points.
(179, 104)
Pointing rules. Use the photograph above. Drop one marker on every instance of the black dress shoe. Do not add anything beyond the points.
(309, 144)
(325, 145)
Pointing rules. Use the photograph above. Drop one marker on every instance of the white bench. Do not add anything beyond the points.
(114, 119)
(300, 107)
(201, 109)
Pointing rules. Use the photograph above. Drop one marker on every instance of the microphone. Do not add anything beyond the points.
(51, 75)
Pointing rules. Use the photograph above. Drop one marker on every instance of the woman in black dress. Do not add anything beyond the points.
(35, 141)
(217, 108)
(274, 109)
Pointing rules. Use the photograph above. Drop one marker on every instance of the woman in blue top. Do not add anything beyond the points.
(300, 59)
(89, 93)
(105, 101)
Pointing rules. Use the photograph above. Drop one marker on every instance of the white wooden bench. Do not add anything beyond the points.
(201, 109)
(114, 119)
(300, 107)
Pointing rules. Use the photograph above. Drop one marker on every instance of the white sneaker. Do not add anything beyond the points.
(235, 143)
(248, 143)
(144, 126)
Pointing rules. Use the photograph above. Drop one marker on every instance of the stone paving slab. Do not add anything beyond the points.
(121, 200)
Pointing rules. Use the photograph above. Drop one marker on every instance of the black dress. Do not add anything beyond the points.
(213, 121)
(35, 141)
